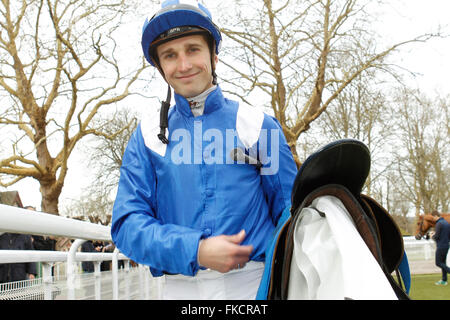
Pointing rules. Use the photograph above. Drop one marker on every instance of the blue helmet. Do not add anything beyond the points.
(176, 19)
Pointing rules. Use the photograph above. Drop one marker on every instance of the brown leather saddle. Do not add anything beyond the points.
(339, 169)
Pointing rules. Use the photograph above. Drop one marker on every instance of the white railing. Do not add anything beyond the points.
(126, 283)
(420, 250)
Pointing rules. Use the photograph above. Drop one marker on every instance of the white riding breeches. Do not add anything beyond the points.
(238, 284)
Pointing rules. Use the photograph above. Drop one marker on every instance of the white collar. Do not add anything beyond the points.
(197, 103)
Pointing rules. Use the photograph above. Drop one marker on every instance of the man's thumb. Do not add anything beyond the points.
(238, 237)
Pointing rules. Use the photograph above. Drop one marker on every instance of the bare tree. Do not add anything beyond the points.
(94, 207)
(361, 112)
(58, 68)
(301, 55)
(422, 157)
(105, 159)
(106, 154)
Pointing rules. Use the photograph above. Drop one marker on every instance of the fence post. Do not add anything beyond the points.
(115, 274)
(146, 285)
(428, 252)
(159, 286)
(98, 280)
(126, 267)
(47, 279)
(141, 281)
(71, 268)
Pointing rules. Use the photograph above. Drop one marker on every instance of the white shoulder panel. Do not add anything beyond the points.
(248, 124)
(150, 129)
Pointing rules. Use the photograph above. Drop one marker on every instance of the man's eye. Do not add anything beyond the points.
(169, 56)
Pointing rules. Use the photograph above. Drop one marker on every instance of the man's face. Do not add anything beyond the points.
(186, 64)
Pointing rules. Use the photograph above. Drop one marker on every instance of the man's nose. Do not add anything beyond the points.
(184, 63)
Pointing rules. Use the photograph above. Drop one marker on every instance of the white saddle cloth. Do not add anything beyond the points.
(330, 259)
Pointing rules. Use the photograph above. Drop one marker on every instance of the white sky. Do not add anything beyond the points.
(402, 19)
(405, 19)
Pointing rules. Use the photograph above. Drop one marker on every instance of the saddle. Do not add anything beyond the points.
(338, 169)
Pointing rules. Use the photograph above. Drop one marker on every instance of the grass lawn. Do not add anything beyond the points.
(423, 287)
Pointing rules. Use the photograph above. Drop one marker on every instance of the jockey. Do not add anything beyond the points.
(202, 186)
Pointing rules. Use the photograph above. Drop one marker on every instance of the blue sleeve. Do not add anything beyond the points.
(437, 232)
(279, 168)
(136, 230)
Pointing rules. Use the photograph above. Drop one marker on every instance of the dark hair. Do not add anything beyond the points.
(435, 213)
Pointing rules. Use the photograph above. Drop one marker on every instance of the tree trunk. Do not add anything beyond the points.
(293, 145)
(50, 190)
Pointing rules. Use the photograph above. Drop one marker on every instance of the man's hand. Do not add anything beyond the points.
(224, 253)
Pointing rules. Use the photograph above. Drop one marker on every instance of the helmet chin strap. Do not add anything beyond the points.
(163, 117)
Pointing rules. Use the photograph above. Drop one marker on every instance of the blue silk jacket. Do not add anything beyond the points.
(172, 196)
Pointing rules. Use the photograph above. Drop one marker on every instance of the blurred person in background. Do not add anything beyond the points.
(42, 242)
(442, 238)
(16, 271)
